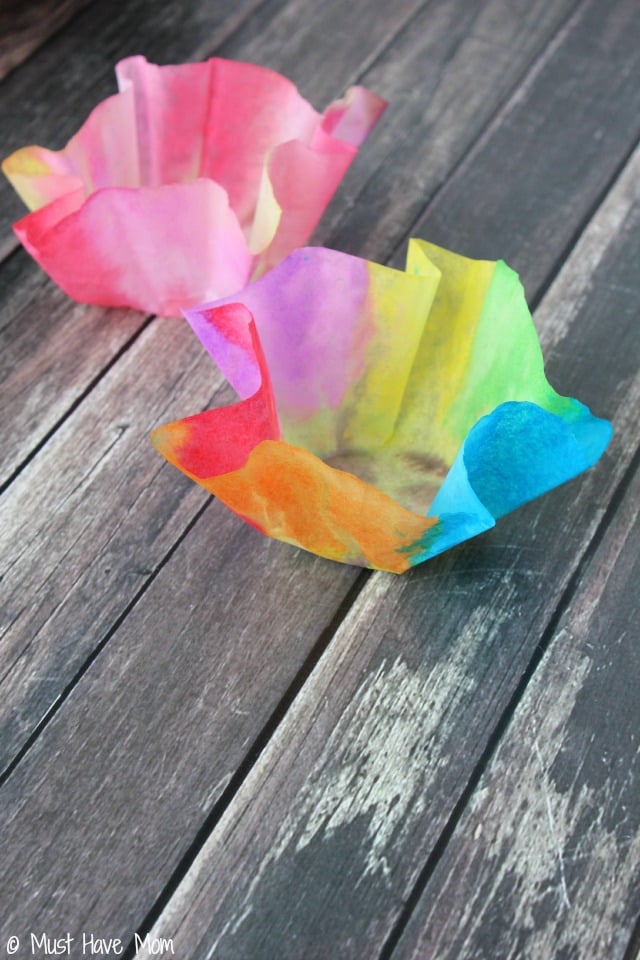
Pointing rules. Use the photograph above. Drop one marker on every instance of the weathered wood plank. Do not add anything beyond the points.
(83, 591)
(86, 524)
(323, 47)
(525, 170)
(343, 808)
(525, 167)
(24, 26)
(51, 351)
(546, 859)
(158, 726)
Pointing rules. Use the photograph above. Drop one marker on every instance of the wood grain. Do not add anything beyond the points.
(580, 96)
(447, 75)
(25, 24)
(543, 862)
(82, 603)
(146, 744)
(51, 352)
(341, 812)
(86, 524)
(530, 165)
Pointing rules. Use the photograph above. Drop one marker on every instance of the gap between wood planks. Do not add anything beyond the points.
(467, 157)
(252, 755)
(75, 404)
(633, 949)
(338, 227)
(77, 677)
(398, 253)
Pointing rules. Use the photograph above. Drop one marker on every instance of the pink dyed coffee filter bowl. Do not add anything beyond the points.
(185, 185)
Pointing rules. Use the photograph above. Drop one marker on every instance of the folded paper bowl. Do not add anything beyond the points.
(186, 184)
(384, 416)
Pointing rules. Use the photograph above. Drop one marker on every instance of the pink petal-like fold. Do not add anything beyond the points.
(303, 181)
(154, 248)
(353, 117)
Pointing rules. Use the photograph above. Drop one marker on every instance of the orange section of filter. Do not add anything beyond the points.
(291, 494)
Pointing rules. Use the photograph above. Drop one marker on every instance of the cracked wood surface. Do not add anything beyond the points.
(259, 752)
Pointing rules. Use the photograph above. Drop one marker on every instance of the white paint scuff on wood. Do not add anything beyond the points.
(376, 763)
(382, 768)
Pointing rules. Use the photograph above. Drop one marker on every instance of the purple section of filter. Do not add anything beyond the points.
(224, 332)
(312, 317)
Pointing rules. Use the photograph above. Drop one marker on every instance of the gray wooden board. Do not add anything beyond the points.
(86, 523)
(97, 816)
(48, 608)
(546, 859)
(446, 76)
(51, 351)
(447, 49)
(329, 832)
(323, 48)
(528, 167)
(24, 26)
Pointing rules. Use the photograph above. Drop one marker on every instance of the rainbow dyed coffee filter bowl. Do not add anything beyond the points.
(383, 416)
(185, 184)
